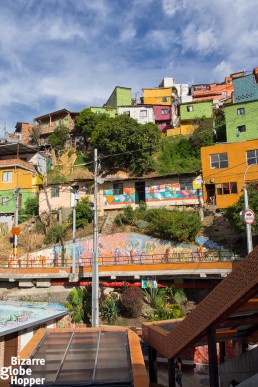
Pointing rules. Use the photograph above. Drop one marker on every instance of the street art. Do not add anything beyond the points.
(120, 248)
(159, 192)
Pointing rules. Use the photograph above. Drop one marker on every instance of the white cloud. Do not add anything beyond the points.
(222, 70)
(171, 7)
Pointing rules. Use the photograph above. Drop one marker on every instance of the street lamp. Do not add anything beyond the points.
(248, 225)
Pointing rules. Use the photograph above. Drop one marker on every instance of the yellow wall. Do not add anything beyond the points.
(155, 96)
(185, 128)
(237, 166)
(21, 178)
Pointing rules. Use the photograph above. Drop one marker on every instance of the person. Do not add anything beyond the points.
(178, 369)
(116, 255)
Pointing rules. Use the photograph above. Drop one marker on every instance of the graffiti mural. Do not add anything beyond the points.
(115, 248)
(158, 192)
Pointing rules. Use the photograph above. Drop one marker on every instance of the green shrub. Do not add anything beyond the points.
(55, 234)
(132, 301)
(31, 208)
(174, 225)
(109, 309)
(79, 302)
(84, 214)
(126, 218)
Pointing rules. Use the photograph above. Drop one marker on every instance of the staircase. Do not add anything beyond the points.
(108, 225)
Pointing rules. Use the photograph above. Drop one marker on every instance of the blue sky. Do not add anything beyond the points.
(71, 54)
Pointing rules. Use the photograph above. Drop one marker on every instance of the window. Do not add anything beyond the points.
(252, 157)
(58, 122)
(186, 183)
(219, 160)
(54, 192)
(5, 201)
(241, 111)
(127, 113)
(143, 113)
(189, 108)
(164, 111)
(241, 128)
(165, 99)
(118, 188)
(66, 121)
(7, 177)
(226, 188)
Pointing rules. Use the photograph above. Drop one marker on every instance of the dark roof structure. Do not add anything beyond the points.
(229, 312)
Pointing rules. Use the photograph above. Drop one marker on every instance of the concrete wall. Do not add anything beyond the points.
(240, 368)
(199, 110)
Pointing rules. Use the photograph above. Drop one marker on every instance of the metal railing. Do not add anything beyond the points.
(32, 262)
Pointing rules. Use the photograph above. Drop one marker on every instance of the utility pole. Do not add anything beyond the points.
(16, 215)
(95, 269)
(74, 231)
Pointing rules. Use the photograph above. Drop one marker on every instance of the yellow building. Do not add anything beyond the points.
(225, 168)
(158, 96)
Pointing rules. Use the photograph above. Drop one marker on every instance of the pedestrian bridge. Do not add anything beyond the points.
(212, 264)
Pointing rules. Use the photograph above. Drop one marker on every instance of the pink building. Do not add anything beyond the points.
(163, 117)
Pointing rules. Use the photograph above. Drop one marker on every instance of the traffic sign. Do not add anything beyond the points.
(248, 216)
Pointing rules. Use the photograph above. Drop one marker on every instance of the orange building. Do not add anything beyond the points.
(215, 91)
(158, 96)
(225, 167)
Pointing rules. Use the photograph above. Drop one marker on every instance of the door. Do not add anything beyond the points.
(139, 192)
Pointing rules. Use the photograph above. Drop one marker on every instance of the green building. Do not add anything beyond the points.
(242, 121)
(121, 96)
(101, 110)
(194, 110)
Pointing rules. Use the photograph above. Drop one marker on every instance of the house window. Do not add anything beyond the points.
(127, 113)
(165, 99)
(143, 113)
(54, 192)
(7, 177)
(226, 188)
(189, 108)
(164, 111)
(58, 122)
(118, 188)
(241, 128)
(186, 183)
(5, 201)
(252, 157)
(240, 111)
(219, 160)
(66, 121)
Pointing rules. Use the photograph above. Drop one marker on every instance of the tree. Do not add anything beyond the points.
(84, 214)
(35, 135)
(31, 208)
(232, 213)
(220, 125)
(59, 137)
(87, 121)
(128, 144)
(56, 234)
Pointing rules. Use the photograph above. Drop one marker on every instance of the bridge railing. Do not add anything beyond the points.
(119, 260)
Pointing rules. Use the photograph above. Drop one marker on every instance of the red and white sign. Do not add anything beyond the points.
(248, 216)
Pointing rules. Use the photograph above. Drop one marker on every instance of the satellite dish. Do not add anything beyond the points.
(100, 180)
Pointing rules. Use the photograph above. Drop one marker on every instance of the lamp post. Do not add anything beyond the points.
(76, 197)
(248, 225)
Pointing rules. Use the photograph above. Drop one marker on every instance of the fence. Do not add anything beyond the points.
(140, 259)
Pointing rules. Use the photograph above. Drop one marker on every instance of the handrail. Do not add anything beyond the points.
(32, 262)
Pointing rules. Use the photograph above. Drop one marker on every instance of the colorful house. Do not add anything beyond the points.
(163, 117)
(158, 96)
(48, 122)
(121, 96)
(242, 121)
(155, 191)
(215, 91)
(141, 113)
(18, 177)
(224, 169)
(191, 113)
(246, 87)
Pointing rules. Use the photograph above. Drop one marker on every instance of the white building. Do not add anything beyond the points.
(141, 113)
